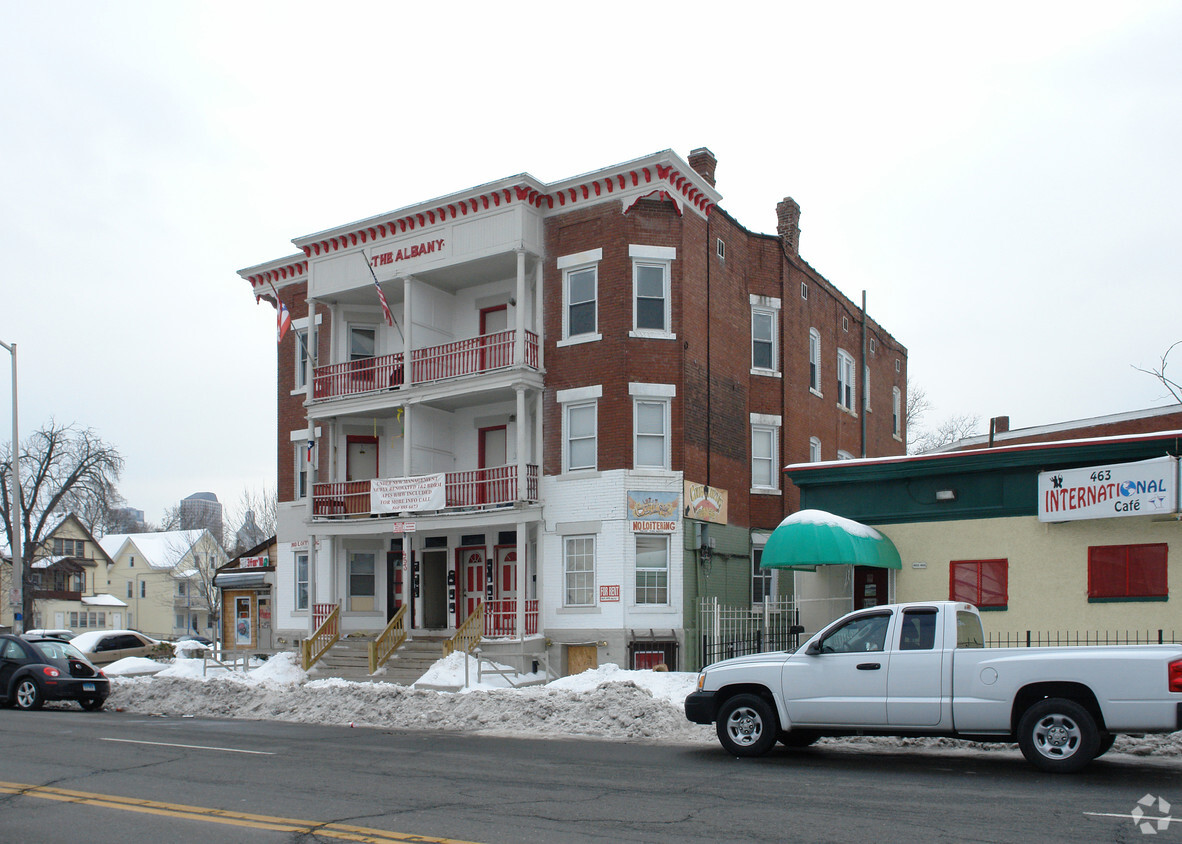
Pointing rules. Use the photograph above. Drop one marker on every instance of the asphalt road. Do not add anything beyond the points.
(71, 776)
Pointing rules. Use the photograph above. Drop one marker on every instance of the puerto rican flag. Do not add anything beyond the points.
(311, 451)
(282, 320)
(385, 304)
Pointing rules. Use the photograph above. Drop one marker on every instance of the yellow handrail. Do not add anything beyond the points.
(388, 641)
(326, 635)
(467, 634)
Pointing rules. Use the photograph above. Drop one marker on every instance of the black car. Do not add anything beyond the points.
(33, 671)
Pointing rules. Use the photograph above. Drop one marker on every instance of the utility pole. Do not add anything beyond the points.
(18, 557)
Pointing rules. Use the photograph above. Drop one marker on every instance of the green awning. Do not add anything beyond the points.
(813, 538)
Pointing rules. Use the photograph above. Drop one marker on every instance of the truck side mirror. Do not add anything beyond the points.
(813, 649)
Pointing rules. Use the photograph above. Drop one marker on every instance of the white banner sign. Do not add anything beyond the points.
(1147, 488)
(398, 495)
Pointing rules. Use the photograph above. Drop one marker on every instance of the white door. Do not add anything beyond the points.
(845, 682)
(915, 681)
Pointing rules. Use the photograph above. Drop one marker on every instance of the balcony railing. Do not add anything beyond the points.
(475, 355)
(500, 618)
(462, 490)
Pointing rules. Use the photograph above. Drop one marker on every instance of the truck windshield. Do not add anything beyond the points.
(968, 630)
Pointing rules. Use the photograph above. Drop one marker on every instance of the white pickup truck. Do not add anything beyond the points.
(921, 669)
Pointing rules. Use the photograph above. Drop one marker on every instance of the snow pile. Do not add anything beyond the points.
(607, 703)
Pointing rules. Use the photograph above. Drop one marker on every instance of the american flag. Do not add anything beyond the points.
(282, 319)
(385, 304)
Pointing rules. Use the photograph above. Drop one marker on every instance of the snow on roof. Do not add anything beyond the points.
(104, 600)
(162, 550)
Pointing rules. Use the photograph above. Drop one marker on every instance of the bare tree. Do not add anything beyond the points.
(64, 469)
(194, 563)
(1175, 389)
(917, 406)
(951, 430)
(252, 519)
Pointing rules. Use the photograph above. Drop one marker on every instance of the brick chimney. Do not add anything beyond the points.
(704, 163)
(1001, 424)
(788, 224)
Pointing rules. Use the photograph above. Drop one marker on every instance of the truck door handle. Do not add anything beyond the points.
(869, 666)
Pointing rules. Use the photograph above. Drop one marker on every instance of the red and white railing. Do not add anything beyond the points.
(500, 617)
(475, 488)
(486, 353)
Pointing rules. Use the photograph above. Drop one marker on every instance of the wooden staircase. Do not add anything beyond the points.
(348, 659)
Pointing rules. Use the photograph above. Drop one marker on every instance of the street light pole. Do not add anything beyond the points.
(18, 561)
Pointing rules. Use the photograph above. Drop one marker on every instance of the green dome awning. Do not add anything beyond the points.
(811, 538)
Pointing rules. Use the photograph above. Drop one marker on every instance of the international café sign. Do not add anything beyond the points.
(1146, 488)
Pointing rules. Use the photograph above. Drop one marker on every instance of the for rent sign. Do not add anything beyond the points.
(401, 495)
(1147, 488)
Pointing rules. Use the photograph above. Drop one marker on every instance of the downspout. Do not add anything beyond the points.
(865, 385)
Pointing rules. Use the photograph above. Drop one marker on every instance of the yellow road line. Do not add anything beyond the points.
(345, 832)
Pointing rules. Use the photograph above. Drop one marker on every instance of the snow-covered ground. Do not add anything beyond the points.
(605, 703)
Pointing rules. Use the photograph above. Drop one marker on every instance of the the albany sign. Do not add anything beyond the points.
(1147, 488)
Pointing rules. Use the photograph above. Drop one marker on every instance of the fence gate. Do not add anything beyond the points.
(738, 631)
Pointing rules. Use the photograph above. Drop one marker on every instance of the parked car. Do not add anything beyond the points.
(921, 670)
(60, 633)
(102, 647)
(33, 671)
(193, 637)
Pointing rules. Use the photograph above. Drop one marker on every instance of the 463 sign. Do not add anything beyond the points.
(1146, 488)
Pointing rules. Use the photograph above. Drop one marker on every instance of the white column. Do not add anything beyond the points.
(521, 575)
(522, 480)
(519, 312)
(407, 330)
(538, 324)
(311, 330)
(312, 591)
(537, 455)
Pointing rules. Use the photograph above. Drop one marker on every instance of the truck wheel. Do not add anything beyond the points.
(27, 694)
(746, 726)
(798, 738)
(1058, 735)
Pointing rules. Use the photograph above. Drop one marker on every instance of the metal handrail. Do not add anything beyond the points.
(468, 634)
(326, 635)
(388, 641)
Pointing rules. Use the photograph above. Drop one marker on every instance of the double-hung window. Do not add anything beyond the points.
(652, 568)
(580, 439)
(651, 270)
(846, 387)
(305, 345)
(765, 312)
(650, 424)
(814, 449)
(303, 475)
(361, 581)
(815, 360)
(578, 567)
(580, 296)
(896, 412)
(763, 582)
(301, 581)
(765, 431)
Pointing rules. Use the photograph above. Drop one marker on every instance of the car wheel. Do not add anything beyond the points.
(798, 738)
(1058, 735)
(747, 726)
(92, 704)
(28, 694)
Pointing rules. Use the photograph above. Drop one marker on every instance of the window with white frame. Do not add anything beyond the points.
(301, 581)
(845, 379)
(363, 342)
(844, 455)
(304, 346)
(651, 270)
(651, 429)
(765, 434)
(361, 581)
(815, 360)
(129, 589)
(763, 339)
(303, 473)
(581, 440)
(763, 582)
(578, 567)
(814, 450)
(896, 412)
(652, 568)
(580, 295)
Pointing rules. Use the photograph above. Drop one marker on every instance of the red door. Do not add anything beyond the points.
(471, 563)
(870, 587)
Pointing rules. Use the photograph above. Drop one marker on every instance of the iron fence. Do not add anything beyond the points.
(1068, 638)
(737, 631)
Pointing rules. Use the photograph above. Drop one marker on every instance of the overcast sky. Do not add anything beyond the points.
(1002, 180)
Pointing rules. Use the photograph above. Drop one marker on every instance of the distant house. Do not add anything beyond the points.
(166, 579)
(247, 585)
(70, 587)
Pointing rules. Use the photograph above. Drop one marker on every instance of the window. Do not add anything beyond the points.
(842, 454)
(814, 450)
(302, 474)
(651, 423)
(129, 589)
(301, 582)
(815, 360)
(763, 340)
(652, 569)
(180, 621)
(578, 565)
(896, 412)
(361, 581)
(863, 633)
(845, 379)
(363, 342)
(763, 584)
(845, 323)
(180, 589)
(898, 365)
(581, 441)
(650, 285)
(131, 562)
(580, 283)
(918, 630)
(1128, 572)
(866, 388)
(804, 290)
(69, 547)
(143, 588)
(303, 347)
(982, 583)
(873, 345)
(763, 453)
